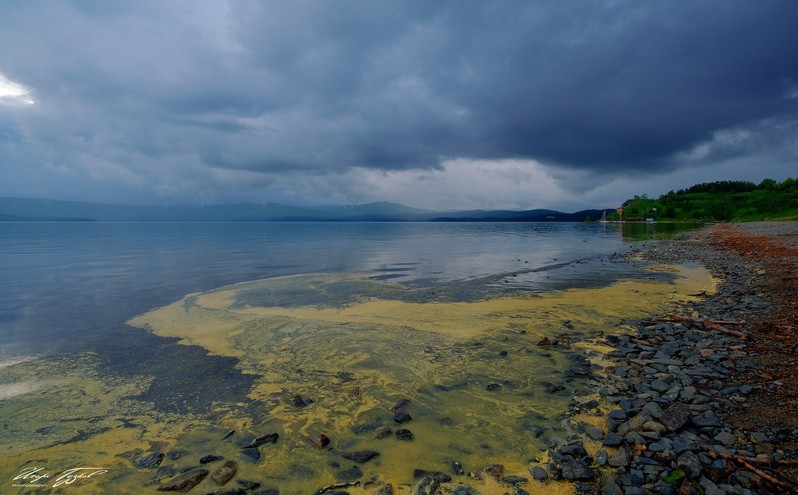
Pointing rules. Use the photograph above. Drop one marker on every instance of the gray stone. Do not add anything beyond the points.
(621, 459)
(609, 484)
(539, 473)
(659, 446)
(709, 487)
(660, 385)
(653, 409)
(594, 432)
(612, 440)
(634, 438)
(688, 462)
(675, 417)
(617, 414)
(576, 450)
(726, 438)
(681, 444)
(601, 457)
(576, 470)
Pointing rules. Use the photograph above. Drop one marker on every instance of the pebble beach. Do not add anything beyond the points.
(702, 401)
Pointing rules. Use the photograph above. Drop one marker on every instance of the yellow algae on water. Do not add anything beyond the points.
(473, 371)
(477, 384)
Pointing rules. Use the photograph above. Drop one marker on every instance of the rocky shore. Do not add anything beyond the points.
(700, 402)
(704, 401)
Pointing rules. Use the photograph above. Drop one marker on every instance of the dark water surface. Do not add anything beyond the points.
(69, 286)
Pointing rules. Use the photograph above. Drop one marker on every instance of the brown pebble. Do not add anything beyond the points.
(383, 432)
(225, 472)
(319, 440)
(184, 482)
(495, 470)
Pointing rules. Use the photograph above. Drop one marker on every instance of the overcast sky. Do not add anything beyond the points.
(434, 104)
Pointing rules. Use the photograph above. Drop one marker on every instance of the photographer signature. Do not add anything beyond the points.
(36, 476)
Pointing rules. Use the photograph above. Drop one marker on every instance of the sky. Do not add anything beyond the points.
(562, 104)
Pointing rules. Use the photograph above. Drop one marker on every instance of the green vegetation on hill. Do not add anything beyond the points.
(721, 201)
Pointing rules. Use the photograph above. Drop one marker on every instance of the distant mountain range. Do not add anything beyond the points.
(29, 209)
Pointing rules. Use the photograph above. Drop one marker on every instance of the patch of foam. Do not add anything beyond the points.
(9, 390)
(15, 361)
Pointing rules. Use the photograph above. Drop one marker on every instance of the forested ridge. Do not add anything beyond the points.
(720, 201)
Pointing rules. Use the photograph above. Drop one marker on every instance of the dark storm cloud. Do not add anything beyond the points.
(615, 84)
(159, 93)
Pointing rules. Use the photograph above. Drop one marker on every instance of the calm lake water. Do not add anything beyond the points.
(68, 290)
(69, 287)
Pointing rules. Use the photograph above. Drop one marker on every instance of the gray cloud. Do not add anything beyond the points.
(196, 100)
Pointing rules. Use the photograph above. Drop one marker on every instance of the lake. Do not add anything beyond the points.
(118, 340)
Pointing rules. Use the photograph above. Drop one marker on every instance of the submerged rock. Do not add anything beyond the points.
(426, 486)
(318, 440)
(401, 405)
(495, 470)
(334, 488)
(150, 461)
(184, 482)
(270, 438)
(401, 417)
(210, 458)
(462, 489)
(404, 434)
(251, 453)
(383, 432)
(360, 456)
(160, 474)
(385, 490)
(248, 485)
(225, 472)
(435, 475)
(351, 474)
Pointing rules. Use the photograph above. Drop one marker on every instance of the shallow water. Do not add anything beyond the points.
(407, 318)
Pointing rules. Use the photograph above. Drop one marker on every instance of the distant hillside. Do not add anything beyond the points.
(50, 210)
(518, 216)
(722, 200)
(26, 209)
